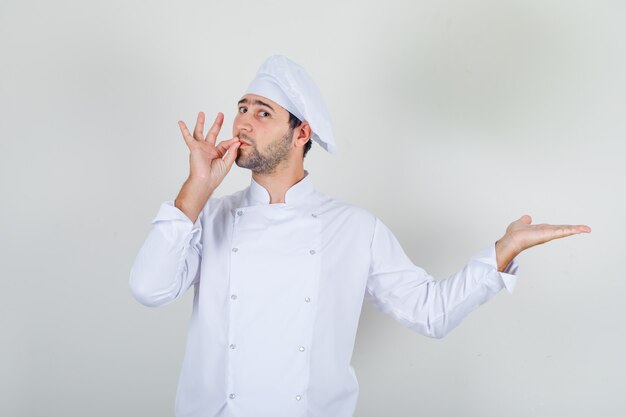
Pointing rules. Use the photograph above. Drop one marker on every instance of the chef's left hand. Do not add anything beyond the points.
(521, 235)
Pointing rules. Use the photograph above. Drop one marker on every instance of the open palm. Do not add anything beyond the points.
(521, 235)
(526, 235)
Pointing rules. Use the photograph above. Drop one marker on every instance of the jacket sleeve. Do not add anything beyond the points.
(168, 262)
(415, 299)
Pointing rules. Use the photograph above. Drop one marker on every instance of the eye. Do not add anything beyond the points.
(242, 110)
(263, 113)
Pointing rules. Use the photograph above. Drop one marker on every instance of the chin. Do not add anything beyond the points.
(240, 163)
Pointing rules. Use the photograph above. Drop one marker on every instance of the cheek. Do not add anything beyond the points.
(236, 125)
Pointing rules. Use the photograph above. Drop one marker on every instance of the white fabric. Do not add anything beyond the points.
(288, 84)
(265, 86)
(278, 291)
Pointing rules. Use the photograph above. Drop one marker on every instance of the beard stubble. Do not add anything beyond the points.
(266, 162)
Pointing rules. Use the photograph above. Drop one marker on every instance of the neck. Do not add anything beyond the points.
(278, 182)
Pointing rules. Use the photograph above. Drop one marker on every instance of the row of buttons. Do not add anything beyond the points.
(234, 346)
(232, 396)
(240, 213)
(312, 251)
(306, 299)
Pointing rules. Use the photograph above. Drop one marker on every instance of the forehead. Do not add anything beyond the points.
(256, 100)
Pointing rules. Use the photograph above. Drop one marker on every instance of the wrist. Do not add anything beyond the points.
(506, 251)
(192, 197)
(200, 183)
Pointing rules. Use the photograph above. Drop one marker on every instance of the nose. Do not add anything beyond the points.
(242, 123)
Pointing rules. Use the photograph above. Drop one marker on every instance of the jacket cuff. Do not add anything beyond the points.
(178, 224)
(509, 276)
(168, 211)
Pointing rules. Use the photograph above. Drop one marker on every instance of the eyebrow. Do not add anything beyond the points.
(257, 102)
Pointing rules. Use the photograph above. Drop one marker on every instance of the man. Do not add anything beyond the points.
(280, 270)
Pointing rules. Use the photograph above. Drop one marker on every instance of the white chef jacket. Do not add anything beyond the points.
(278, 291)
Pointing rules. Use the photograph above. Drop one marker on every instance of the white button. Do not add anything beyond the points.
(239, 213)
(301, 348)
(233, 297)
(298, 398)
(233, 346)
(312, 252)
(235, 249)
(307, 299)
(231, 396)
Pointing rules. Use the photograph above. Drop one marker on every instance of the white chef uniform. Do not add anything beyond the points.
(278, 290)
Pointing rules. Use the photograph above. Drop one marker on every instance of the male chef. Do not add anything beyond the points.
(280, 270)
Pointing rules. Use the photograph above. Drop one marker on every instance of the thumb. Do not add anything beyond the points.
(230, 155)
(526, 219)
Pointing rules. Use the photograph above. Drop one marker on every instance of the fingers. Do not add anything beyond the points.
(198, 132)
(215, 129)
(568, 230)
(563, 229)
(231, 155)
(546, 232)
(224, 145)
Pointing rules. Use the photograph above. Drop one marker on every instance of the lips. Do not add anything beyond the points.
(244, 143)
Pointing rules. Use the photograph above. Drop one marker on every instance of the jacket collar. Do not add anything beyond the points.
(298, 193)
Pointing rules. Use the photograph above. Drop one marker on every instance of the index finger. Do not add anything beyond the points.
(578, 228)
(564, 230)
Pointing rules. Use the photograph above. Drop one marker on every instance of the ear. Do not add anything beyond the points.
(302, 134)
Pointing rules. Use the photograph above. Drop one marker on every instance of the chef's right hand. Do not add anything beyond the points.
(209, 163)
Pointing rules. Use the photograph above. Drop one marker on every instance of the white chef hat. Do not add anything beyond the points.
(288, 84)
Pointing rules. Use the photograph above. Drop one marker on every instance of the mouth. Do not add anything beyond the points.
(244, 143)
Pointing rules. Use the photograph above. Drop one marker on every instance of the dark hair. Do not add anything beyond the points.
(295, 122)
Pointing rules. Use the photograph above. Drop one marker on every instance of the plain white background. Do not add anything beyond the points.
(453, 118)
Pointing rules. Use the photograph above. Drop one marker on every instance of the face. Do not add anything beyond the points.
(263, 129)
